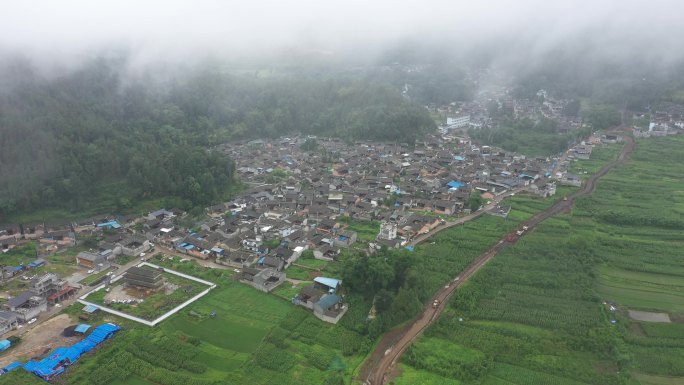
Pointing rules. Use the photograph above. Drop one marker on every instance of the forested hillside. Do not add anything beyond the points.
(99, 139)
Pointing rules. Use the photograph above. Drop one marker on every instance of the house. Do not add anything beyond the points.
(264, 280)
(500, 211)
(308, 296)
(326, 252)
(91, 260)
(330, 308)
(388, 230)
(344, 238)
(569, 179)
(143, 277)
(269, 262)
(45, 284)
(446, 207)
(544, 190)
(134, 246)
(52, 288)
(238, 259)
(583, 152)
(26, 305)
(160, 215)
(8, 321)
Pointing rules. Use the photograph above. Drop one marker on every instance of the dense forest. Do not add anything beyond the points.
(98, 138)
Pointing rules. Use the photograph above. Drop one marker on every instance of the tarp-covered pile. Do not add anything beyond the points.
(60, 358)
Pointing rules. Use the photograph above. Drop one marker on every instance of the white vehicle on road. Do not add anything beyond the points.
(32, 321)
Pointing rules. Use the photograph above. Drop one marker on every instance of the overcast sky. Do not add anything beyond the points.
(169, 30)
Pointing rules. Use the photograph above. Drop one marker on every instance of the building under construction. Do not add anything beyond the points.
(144, 277)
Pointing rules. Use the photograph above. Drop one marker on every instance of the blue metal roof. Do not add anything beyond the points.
(90, 308)
(82, 328)
(329, 282)
(455, 184)
(111, 224)
(328, 301)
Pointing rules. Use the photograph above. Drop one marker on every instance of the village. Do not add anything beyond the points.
(305, 201)
(298, 202)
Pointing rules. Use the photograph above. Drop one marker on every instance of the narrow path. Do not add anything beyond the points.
(377, 369)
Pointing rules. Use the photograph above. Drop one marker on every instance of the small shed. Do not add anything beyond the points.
(82, 328)
(90, 309)
(4, 345)
(328, 284)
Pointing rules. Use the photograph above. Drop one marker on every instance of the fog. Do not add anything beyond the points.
(61, 34)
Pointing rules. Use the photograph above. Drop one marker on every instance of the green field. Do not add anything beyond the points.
(253, 338)
(642, 290)
(365, 231)
(411, 376)
(157, 303)
(536, 309)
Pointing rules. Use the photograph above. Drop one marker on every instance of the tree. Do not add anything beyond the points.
(603, 117)
(474, 201)
(383, 300)
(572, 108)
(309, 145)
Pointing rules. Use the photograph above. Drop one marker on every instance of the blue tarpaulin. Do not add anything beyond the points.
(11, 367)
(4, 345)
(454, 184)
(60, 358)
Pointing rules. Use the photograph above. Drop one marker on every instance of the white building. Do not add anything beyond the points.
(388, 231)
(458, 121)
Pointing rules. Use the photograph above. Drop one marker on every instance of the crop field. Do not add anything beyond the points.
(642, 290)
(233, 335)
(535, 311)
(365, 231)
(411, 376)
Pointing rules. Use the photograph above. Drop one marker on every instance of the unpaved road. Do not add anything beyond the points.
(377, 369)
(43, 337)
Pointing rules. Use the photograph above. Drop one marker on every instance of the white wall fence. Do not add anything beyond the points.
(173, 311)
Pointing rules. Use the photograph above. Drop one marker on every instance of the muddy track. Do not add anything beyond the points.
(376, 370)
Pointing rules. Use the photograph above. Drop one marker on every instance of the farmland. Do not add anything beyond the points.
(536, 312)
(232, 335)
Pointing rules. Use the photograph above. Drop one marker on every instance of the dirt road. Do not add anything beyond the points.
(377, 369)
